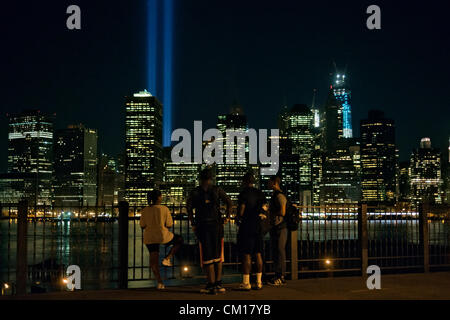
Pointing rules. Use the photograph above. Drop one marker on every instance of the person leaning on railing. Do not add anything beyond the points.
(155, 220)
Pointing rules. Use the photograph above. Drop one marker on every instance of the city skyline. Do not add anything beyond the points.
(224, 151)
(318, 165)
(214, 66)
(312, 107)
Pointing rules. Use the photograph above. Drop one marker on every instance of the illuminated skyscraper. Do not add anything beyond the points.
(315, 111)
(378, 159)
(343, 95)
(110, 181)
(341, 174)
(404, 182)
(447, 171)
(317, 171)
(76, 166)
(143, 145)
(229, 176)
(297, 128)
(425, 174)
(30, 156)
(179, 180)
(341, 157)
(333, 126)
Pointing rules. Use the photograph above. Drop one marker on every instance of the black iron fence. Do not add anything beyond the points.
(37, 244)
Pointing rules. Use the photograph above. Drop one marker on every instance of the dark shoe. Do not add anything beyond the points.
(244, 287)
(277, 282)
(209, 289)
(257, 286)
(219, 288)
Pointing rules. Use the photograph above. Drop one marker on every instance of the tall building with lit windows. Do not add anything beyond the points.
(341, 174)
(179, 180)
(30, 157)
(343, 94)
(110, 180)
(76, 164)
(298, 130)
(143, 147)
(425, 174)
(229, 176)
(447, 178)
(333, 123)
(378, 159)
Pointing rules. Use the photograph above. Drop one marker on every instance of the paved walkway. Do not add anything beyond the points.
(405, 286)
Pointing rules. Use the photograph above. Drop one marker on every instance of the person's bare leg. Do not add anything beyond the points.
(246, 264)
(175, 249)
(259, 270)
(154, 264)
(259, 263)
(210, 273)
(218, 271)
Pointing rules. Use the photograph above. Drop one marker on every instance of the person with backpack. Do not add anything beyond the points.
(155, 221)
(278, 231)
(203, 207)
(250, 239)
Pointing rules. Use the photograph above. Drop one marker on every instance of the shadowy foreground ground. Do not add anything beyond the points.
(405, 286)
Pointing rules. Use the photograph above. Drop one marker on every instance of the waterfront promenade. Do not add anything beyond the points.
(427, 286)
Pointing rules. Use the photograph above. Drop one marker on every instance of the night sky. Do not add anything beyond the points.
(262, 53)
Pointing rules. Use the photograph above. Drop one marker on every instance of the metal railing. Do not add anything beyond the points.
(38, 243)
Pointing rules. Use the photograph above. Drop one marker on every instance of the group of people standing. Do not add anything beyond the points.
(255, 217)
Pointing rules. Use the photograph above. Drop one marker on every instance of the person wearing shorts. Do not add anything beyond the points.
(203, 206)
(155, 221)
(250, 239)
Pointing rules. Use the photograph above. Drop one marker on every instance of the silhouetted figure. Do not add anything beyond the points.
(207, 224)
(250, 238)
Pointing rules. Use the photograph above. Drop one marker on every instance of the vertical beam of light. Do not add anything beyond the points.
(152, 46)
(167, 71)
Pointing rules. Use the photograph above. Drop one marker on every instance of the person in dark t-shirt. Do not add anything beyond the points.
(207, 224)
(250, 239)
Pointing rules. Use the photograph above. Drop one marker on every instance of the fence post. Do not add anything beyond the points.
(363, 238)
(22, 264)
(123, 244)
(294, 255)
(423, 237)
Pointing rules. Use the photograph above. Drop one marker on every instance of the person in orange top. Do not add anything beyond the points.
(155, 222)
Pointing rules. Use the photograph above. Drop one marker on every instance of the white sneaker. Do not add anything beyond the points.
(166, 262)
(245, 287)
(160, 286)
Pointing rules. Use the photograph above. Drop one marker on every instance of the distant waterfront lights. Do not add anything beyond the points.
(5, 288)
